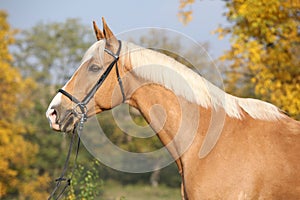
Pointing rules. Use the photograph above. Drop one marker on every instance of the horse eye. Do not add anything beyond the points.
(94, 68)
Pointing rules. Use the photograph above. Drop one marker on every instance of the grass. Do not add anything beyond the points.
(116, 191)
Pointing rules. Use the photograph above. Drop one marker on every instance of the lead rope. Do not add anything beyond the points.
(62, 177)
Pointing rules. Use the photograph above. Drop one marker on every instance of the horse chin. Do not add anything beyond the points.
(68, 129)
(69, 124)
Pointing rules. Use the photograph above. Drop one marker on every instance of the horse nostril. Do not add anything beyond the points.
(52, 116)
(53, 119)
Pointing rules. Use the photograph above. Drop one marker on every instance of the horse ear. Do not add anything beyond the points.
(99, 34)
(108, 34)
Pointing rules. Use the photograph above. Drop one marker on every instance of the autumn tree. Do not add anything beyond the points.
(17, 176)
(265, 50)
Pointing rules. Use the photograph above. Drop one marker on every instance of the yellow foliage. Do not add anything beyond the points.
(184, 3)
(185, 13)
(16, 153)
(265, 46)
(71, 195)
(36, 189)
(5, 38)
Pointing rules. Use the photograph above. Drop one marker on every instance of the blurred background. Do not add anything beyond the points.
(255, 45)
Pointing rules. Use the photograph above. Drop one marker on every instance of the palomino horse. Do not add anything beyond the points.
(257, 155)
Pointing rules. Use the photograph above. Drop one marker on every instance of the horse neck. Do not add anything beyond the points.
(173, 117)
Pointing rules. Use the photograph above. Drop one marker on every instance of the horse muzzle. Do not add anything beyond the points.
(63, 123)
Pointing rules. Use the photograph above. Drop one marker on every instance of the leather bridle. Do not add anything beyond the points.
(83, 117)
(82, 104)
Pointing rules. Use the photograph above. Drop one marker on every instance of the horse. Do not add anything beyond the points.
(256, 155)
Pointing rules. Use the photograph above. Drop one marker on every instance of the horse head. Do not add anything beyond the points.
(91, 88)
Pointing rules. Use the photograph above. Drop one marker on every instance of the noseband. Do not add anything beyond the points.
(82, 104)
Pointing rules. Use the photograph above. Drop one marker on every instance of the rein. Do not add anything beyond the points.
(62, 177)
(83, 117)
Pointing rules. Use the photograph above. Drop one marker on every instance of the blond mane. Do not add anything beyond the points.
(161, 69)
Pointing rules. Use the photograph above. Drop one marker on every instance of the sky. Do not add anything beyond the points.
(125, 15)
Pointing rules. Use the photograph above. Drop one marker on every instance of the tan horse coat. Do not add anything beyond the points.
(256, 157)
(253, 159)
